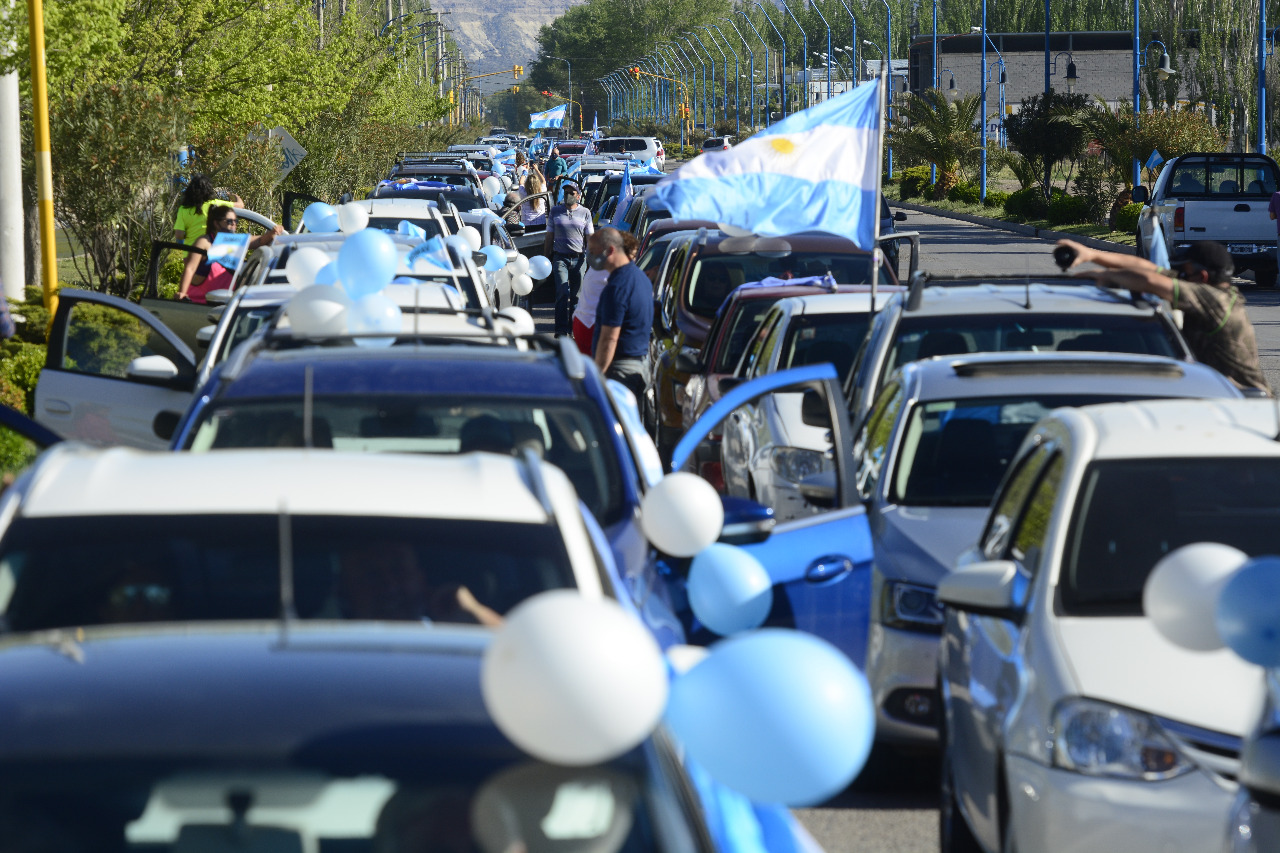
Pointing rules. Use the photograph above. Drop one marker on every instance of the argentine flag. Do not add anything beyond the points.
(624, 198)
(815, 170)
(553, 117)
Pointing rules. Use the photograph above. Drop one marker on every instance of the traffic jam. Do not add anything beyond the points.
(352, 553)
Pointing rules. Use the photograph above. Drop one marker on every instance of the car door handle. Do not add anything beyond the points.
(57, 407)
(1242, 208)
(828, 568)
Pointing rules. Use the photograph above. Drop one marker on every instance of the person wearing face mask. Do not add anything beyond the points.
(594, 282)
(568, 227)
(624, 316)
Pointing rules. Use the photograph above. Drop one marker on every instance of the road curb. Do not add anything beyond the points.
(1016, 227)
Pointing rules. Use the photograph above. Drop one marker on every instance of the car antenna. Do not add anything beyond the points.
(308, 413)
(1027, 285)
(287, 611)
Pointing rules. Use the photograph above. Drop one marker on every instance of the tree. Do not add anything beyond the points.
(937, 130)
(1049, 129)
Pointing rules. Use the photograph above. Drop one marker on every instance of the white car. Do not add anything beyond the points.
(767, 448)
(638, 148)
(185, 537)
(493, 232)
(1070, 723)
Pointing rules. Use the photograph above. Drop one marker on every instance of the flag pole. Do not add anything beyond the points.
(877, 257)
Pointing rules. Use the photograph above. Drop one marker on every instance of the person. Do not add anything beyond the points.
(624, 317)
(1215, 324)
(568, 227)
(200, 275)
(382, 580)
(1274, 209)
(190, 223)
(593, 284)
(556, 170)
(532, 213)
(521, 167)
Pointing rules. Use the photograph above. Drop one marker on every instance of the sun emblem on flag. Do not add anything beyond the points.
(782, 145)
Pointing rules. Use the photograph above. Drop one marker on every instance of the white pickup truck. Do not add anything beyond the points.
(1213, 196)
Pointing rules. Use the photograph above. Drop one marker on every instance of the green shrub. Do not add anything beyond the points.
(1070, 210)
(20, 365)
(996, 198)
(914, 181)
(1027, 204)
(964, 193)
(1127, 218)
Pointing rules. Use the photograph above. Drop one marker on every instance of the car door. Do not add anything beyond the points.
(820, 565)
(114, 374)
(982, 655)
(738, 444)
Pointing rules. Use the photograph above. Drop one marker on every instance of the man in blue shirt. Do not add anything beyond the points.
(556, 169)
(624, 317)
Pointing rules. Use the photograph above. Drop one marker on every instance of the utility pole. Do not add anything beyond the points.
(12, 265)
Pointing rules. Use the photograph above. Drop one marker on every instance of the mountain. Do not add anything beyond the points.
(497, 35)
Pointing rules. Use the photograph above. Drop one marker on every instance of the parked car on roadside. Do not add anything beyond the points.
(717, 143)
(639, 148)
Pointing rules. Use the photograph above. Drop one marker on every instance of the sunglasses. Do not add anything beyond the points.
(228, 221)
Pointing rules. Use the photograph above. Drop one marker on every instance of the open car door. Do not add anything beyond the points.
(820, 565)
(114, 374)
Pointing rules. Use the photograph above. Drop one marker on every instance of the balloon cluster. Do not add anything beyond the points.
(774, 714)
(1205, 596)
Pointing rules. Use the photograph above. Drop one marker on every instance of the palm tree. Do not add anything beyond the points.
(938, 130)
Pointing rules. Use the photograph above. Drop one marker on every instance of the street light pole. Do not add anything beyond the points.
(1137, 95)
(853, 42)
(982, 186)
(753, 73)
(814, 7)
(805, 44)
(568, 86)
(1262, 77)
(712, 61)
(737, 88)
(888, 58)
(783, 39)
(693, 75)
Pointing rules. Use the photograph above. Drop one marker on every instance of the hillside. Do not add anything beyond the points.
(497, 35)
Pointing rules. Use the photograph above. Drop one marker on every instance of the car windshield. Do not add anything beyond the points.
(1235, 501)
(954, 452)
(567, 433)
(924, 337)
(715, 277)
(453, 179)
(745, 321)
(610, 187)
(824, 338)
(392, 224)
(440, 787)
(621, 146)
(197, 568)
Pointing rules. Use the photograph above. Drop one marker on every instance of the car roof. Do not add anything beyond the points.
(438, 370)
(1039, 373)
(833, 303)
(1012, 299)
(1179, 428)
(77, 480)
(419, 207)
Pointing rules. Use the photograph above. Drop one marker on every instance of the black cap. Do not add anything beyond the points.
(1214, 257)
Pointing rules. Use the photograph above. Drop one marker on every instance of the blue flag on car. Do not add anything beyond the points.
(815, 170)
(1154, 161)
(624, 197)
(553, 117)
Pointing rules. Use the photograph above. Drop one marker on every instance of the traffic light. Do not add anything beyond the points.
(635, 72)
(517, 71)
(515, 89)
(548, 94)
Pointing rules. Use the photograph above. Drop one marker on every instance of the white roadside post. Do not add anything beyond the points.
(12, 266)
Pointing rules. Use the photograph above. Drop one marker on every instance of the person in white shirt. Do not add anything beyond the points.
(593, 284)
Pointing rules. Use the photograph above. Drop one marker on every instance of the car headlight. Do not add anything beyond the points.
(911, 606)
(1240, 826)
(1100, 739)
(793, 464)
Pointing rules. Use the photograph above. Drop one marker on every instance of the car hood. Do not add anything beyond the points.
(1126, 661)
(921, 544)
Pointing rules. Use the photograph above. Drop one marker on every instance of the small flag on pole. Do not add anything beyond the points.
(1154, 161)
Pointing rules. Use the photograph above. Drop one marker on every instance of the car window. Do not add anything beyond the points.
(924, 337)
(674, 268)
(102, 340)
(1028, 542)
(1235, 501)
(650, 260)
(570, 434)
(1009, 502)
(755, 351)
(161, 568)
(824, 338)
(245, 322)
(1225, 176)
(872, 443)
(743, 323)
(392, 224)
(714, 277)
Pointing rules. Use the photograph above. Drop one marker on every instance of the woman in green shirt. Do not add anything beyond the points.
(190, 223)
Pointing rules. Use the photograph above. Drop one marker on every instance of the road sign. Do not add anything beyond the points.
(291, 152)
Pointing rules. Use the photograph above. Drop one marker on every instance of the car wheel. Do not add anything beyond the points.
(954, 834)
(1137, 244)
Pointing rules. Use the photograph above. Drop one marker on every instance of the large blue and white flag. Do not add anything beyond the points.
(553, 117)
(651, 167)
(815, 170)
(624, 197)
(595, 125)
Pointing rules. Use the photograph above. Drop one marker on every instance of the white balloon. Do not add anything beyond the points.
(521, 320)
(303, 264)
(492, 186)
(521, 264)
(319, 310)
(573, 680)
(521, 285)
(1181, 594)
(539, 267)
(682, 514)
(352, 217)
(471, 235)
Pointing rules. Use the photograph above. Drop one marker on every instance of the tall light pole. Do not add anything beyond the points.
(783, 39)
(805, 43)
(982, 185)
(888, 101)
(1137, 96)
(693, 74)
(853, 42)
(1262, 76)
(737, 87)
(569, 85)
(888, 58)
(814, 7)
(684, 80)
(753, 73)
(711, 59)
(1047, 49)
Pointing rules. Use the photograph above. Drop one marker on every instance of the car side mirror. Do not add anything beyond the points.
(346, 198)
(728, 383)
(814, 411)
(204, 335)
(1140, 195)
(152, 368)
(988, 588)
(745, 521)
(900, 216)
(686, 363)
(218, 297)
(1260, 764)
(819, 489)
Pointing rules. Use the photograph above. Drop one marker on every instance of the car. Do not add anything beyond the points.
(387, 213)
(968, 315)
(494, 232)
(573, 148)
(641, 148)
(1213, 196)
(929, 459)
(495, 140)
(600, 194)
(643, 211)
(446, 197)
(1070, 723)
(1254, 824)
(452, 171)
(767, 449)
(717, 143)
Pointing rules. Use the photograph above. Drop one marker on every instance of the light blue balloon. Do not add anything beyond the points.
(370, 314)
(327, 274)
(500, 199)
(729, 590)
(320, 218)
(1248, 618)
(495, 258)
(778, 715)
(367, 262)
(539, 267)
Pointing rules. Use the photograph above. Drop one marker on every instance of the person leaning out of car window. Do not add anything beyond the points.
(1199, 285)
